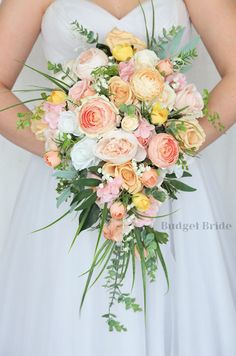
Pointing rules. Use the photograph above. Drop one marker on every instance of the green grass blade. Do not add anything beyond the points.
(21, 103)
(80, 227)
(143, 268)
(53, 223)
(133, 263)
(145, 21)
(104, 215)
(161, 258)
(111, 248)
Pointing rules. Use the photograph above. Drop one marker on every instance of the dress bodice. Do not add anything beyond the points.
(61, 44)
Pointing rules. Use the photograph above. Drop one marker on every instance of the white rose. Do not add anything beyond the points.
(68, 124)
(82, 154)
(167, 97)
(72, 78)
(145, 58)
(88, 61)
(129, 123)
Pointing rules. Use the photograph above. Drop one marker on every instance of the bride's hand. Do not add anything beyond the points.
(215, 21)
(20, 23)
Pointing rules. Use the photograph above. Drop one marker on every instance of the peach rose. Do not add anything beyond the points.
(119, 37)
(190, 97)
(88, 61)
(163, 150)
(80, 90)
(117, 211)
(120, 91)
(194, 136)
(130, 180)
(147, 84)
(52, 159)
(149, 178)
(119, 147)
(165, 67)
(96, 116)
(113, 231)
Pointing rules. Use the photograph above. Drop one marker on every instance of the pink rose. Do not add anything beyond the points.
(149, 214)
(97, 116)
(109, 192)
(52, 113)
(126, 69)
(163, 150)
(190, 97)
(144, 132)
(88, 61)
(177, 81)
(114, 230)
(165, 67)
(52, 159)
(150, 178)
(117, 210)
(80, 90)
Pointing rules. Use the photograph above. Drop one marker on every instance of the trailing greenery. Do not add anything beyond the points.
(213, 118)
(90, 36)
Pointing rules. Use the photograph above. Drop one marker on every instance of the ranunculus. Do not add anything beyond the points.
(145, 58)
(96, 116)
(177, 81)
(113, 230)
(194, 136)
(147, 84)
(82, 154)
(120, 91)
(167, 97)
(88, 61)
(144, 132)
(80, 90)
(122, 52)
(117, 37)
(67, 123)
(163, 150)
(57, 97)
(52, 113)
(165, 67)
(126, 69)
(38, 127)
(129, 123)
(117, 210)
(159, 115)
(52, 159)
(130, 180)
(119, 147)
(141, 202)
(149, 178)
(190, 97)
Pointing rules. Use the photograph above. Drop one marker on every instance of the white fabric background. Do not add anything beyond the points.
(220, 156)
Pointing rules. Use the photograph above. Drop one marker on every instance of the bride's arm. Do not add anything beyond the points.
(19, 28)
(215, 21)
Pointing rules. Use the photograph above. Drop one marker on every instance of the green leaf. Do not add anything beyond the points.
(82, 221)
(88, 182)
(161, 258)
(78, 197)
(103, 219)
(182, 186)
(67, 174)
(63, 196)
(92, 218)
(161, 237)
(110, 250)
(88, 202)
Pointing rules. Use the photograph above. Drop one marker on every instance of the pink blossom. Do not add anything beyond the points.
(126, 69)
(52, 113)
(152, 211)
(109, 192)
(144, 132)
(177, 81)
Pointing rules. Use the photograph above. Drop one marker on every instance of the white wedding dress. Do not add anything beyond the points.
(40, 289)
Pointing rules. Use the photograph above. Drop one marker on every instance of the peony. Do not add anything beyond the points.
(82, 154)
(167, 97)
(177, 81)
(109, 192)
(163, 150)
(88, 61)
(119, 147)
(147, 84)
(113, 231)
(117, 210)
(141, 202)
(165, 67)
(159, 115)
(145, 58)
(120, 91)
(52, 159)
(194, 136)
(149, 178)
(144, 132)
(67, 123)
(80, 90)
(117, 37)
(96, 116)
(126, 69)
(129, 123)
(122, 52)
(189, 97)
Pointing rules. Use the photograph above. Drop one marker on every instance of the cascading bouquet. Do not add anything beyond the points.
(118, 127)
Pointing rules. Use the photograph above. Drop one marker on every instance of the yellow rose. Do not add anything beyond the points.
(159, 114)
(122, 52)
(147, 84)
(57, 97)
(131, 181)
(117, 37)
(141, 202)
(193, 137)
(120, 91)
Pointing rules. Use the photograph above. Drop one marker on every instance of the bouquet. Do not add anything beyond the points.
(118, 127)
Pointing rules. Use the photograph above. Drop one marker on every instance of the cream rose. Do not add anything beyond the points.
(194, 136)
(118, 37)
(129, 123)
(119, 147)
(120, 91)
(88, 61)
(147, 84)
(145, 58)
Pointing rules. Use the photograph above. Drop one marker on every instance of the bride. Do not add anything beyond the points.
(39, 286)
